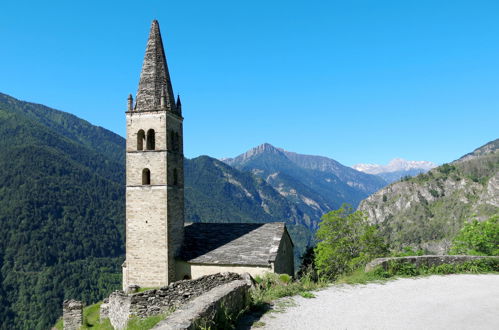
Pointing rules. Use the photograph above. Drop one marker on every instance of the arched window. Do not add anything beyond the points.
(146, 176)
(175, 177)
(151, 140)
(141, 136)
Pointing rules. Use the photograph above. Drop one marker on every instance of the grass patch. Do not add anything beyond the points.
(59, 324)
(146, 289)
(272, 286)
(137, 323)
(91, 318)
(359, 276)
(307, 294)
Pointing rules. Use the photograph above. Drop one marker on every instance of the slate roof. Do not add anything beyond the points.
(254, 244)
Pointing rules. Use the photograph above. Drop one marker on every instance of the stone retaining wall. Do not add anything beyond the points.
(427, 260)
(72, 314)
(120, 306)
(214, 309)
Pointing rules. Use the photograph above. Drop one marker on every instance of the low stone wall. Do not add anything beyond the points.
(120, 306)
(427, 260)
(210, 310)
(72, 314)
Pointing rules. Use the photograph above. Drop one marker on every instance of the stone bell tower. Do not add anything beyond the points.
(154, 174)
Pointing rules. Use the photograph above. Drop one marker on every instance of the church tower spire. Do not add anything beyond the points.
(155, 83)
(154, 174)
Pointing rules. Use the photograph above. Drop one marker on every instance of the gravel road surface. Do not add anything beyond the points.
(435, 302)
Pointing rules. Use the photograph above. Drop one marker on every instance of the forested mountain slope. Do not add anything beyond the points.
(61, 212)
(428, 210)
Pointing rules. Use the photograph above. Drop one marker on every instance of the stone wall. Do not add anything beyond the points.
(213, 309)
(121, 307)
(72, 314)
(427, 260)
(147, 251)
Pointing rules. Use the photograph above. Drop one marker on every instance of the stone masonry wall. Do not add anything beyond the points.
(146, 237)
(213, 309)
(155, 212)
(152, 302)
(72, 314)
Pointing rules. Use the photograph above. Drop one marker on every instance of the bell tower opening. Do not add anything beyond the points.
(141, 136)
(151, 140)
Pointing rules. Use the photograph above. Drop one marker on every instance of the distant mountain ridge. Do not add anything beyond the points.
(315, 182)
(396, 169)
(488, 148)
(426, 211)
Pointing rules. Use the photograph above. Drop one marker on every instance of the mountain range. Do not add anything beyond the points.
(62, 205)
(428, 210)
(315, 184)
(396, 169)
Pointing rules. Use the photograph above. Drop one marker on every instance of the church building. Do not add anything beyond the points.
(160, 247)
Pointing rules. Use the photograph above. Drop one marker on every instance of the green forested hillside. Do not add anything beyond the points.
(61, 212)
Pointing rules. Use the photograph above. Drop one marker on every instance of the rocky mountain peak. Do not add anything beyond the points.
(265, 148)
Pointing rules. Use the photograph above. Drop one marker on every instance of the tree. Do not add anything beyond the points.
(478, 238)
(346, 241)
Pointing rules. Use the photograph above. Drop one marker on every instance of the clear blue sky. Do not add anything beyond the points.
(357, 81)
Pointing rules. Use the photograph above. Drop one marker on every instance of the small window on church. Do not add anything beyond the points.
(151, 140)
(141, 136)
(146, 176)
(175, 177)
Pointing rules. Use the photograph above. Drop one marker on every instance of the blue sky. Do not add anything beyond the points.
(357, 81)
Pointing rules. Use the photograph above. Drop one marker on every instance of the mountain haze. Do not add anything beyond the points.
(396, 169)
(428, 210)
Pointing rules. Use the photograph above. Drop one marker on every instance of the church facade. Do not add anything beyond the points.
(160, 248)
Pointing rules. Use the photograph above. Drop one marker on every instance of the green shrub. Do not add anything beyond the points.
(273, 286)
(409, 251)
(285, 278)
(478, 238)
(485, 265)
(346, 241)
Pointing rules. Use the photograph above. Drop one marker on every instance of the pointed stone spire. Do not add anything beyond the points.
(154, 78)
